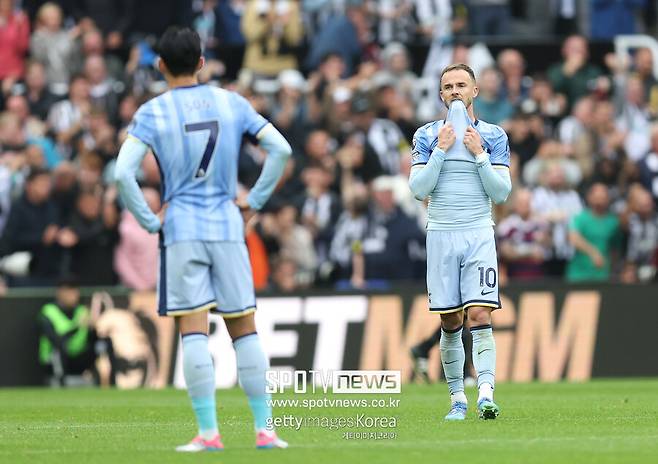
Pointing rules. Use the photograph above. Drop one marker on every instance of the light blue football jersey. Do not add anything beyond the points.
(459, 200)
(195, 133)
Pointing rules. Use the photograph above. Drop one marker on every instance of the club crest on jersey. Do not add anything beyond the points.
(415, 156)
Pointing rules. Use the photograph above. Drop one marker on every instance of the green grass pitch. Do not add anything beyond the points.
(597, 422)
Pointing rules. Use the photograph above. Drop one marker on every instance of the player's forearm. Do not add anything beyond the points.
(423, 180)
(130, 158)
(496, 182)
(278, 151)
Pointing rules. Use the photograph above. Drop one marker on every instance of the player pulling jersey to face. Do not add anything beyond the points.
(195, 132)
(462, 164)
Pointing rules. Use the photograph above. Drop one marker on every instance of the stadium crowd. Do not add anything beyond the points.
(336, 77)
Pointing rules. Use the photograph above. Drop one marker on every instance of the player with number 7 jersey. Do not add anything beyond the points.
(195, 132)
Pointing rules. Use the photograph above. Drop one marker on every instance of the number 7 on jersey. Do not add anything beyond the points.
(213, 127)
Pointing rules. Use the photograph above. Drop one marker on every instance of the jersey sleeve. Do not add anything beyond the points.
(142, 126)
(500, 152)
(252, 122)
(420, 150)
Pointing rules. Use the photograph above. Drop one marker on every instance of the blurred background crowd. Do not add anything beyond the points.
(347, 82)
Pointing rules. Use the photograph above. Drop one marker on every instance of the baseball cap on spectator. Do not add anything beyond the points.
(293, 79)
(360, 104)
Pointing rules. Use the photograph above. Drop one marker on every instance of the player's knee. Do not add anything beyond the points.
(240, 326)
(479, 316)
(452, 321)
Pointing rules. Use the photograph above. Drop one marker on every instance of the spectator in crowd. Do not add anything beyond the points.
(489, 106)
(574, 77)
(515, 83)
(382, 135)
(358, 161)
(638, 65)
(112, 17)
(319, 208)
(641, 227)
(603, 142)
(15, 40)
(634, 119)
(573, 127)
(595, 235)
(39, 98)
(555, 203)
(32, 227)
(67, 117)
(524, 240)
(290, 111)
(396, 107)
(648, 166)
(396, 69)
(345, 35)
(436, 19)
(136, 255)
(293, 241)
(230, 40)
(609, 19)
(55, 47)
(90, 237)
(273, 30)
(127, 109)
(394, 20)
(523, 139)
(393, 244)
(643, 69)
(205, 24)
(94, 44)
(551, 151)
(318, 151)
(350, 230)
(543, 100)
(283, 275)
(104, 91)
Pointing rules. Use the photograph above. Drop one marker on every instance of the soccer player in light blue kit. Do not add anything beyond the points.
(195, 132)
(462, 164)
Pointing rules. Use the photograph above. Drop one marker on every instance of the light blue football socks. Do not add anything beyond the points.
(199, 374)
(484, 359)
(252, 364)
(453, 358)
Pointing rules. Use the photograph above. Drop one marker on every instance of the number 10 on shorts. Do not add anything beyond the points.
(487, 277)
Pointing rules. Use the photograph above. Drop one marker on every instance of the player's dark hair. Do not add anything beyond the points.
(458, 67)
(180, 49)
